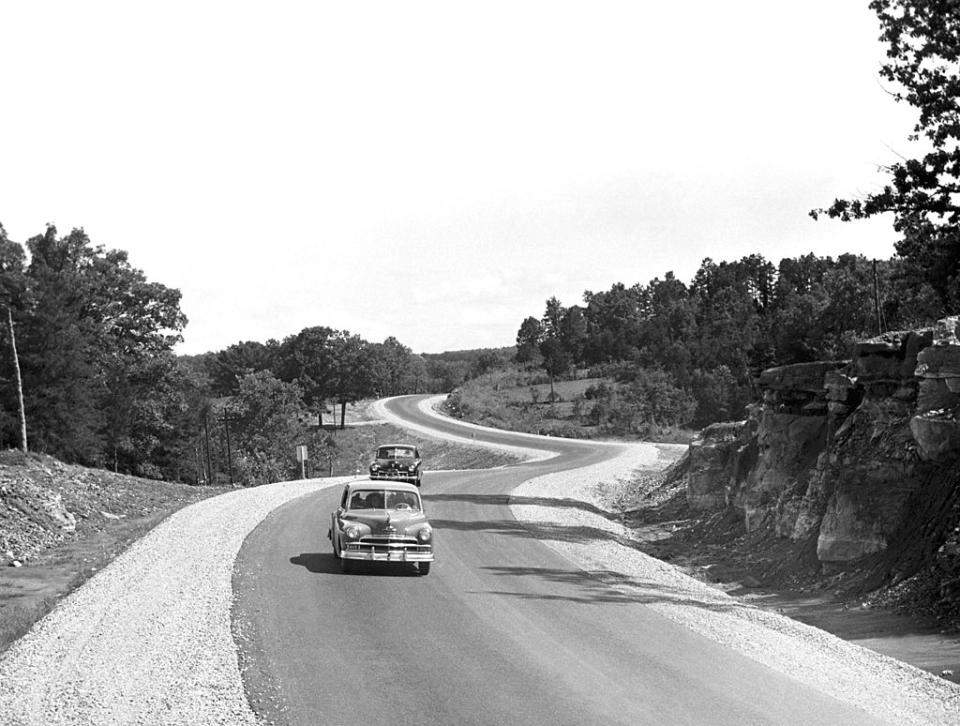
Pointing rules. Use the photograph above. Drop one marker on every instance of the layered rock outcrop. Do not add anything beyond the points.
(840, 451)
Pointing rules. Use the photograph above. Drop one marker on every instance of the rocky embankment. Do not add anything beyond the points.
(856, 461)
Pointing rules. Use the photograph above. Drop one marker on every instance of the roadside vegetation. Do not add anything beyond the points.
(584, 407)
(88, 374)
(667, 357)
(662, 360)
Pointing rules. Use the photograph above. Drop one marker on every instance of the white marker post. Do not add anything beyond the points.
(302, 458)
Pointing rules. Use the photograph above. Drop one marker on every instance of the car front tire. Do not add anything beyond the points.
(423, 568)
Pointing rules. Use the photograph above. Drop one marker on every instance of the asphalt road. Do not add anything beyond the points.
(502, 631)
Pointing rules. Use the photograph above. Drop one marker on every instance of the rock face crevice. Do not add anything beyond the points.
(843, 453)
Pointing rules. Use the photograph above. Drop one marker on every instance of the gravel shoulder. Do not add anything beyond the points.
(147, 640)
(884, 687)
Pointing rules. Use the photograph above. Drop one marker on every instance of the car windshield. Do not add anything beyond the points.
(384, 499)
(395, 452)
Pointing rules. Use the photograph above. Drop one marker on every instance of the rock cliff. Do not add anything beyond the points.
(859, 456)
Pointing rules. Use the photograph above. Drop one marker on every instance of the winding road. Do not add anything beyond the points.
(504, 630)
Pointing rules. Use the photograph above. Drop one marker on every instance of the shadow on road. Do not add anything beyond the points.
(504, 499)
(324, 563)
(540, 530)
(595, 587)
(317, 562)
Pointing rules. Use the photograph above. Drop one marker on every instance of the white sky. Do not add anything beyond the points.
(436, 170)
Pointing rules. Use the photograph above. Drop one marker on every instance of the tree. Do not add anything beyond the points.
(390, 365)
(266, 427)
(92, 329)
(528, 339)
(553, 317)
(923, 60)
(443, 374)
(667, 326)
(573, 332)
(613, 320)
(228, 366)
(60, 349)
(307, 359)
(733, 301)
(351, 375)
(137, 323)
(555, 360)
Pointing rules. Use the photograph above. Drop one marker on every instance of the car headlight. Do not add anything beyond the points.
(352, 533)
(374, 467)
(425, 534)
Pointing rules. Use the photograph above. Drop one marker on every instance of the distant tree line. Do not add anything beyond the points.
(687, 354)
(88, 373)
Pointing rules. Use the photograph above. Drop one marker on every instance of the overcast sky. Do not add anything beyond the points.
(436, 170)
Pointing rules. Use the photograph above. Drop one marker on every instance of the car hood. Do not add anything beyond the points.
(379, 519)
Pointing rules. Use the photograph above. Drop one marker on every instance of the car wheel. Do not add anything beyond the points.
(346, 565)
(424, 568)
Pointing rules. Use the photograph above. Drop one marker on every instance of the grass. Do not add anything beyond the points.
(519, 400)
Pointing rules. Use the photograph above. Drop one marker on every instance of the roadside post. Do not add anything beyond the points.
(302, 458)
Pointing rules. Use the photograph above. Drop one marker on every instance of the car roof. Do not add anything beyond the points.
(396, 446)
(381, 484)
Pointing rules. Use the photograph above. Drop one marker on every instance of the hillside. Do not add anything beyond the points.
(60, 523)
(588, 405)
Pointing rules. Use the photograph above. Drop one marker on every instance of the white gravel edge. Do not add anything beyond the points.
(147, 640)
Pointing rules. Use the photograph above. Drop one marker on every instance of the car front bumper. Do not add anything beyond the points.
(386, 553)
(394, 475)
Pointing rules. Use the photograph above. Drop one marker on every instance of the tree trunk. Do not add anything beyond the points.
(16, 371)
(343, 414)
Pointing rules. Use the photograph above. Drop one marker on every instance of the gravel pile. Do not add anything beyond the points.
(147, 640)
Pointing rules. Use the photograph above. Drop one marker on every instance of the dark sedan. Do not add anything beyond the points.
(397, 462)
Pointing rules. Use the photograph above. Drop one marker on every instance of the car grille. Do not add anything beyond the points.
(386, 543)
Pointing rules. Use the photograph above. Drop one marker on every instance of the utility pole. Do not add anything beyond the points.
(206, 436)
(16, 371)
(876, 298)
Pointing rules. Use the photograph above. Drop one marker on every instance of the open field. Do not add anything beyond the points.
(520, 401)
